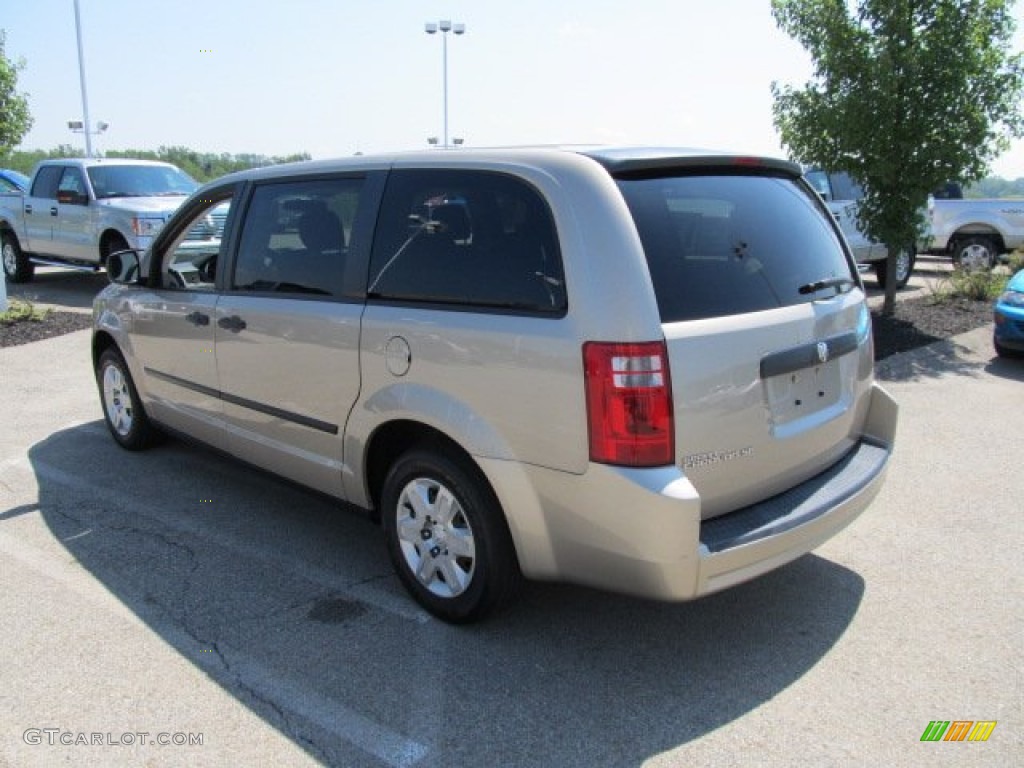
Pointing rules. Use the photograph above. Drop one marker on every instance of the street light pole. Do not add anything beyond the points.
(81, 74)
(445, 26)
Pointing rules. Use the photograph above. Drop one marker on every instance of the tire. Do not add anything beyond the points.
(1006, 352)
(904, 268)
(17, 267)
(122, 410)
(447, 537)
(975, 253)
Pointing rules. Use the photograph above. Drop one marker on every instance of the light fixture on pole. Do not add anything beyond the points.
(445, 26)
(79, 126)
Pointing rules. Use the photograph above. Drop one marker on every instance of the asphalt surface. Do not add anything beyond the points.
(179, 595)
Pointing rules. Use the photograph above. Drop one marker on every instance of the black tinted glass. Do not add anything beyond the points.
(725, 245)
(296, 235)
(47, 178)
(466, 238)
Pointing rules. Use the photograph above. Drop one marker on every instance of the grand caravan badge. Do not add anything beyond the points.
(697, 460)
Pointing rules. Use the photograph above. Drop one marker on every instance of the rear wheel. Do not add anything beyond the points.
(17, 267)
(447, 536)
(975, 253)
(904, 268)
(122, 410)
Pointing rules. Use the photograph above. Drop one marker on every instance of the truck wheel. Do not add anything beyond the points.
(904, 268)
(447, 536)
(17, 267)
(975, 253)
(122, 409)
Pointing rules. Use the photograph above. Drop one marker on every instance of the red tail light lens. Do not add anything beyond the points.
(629, 403)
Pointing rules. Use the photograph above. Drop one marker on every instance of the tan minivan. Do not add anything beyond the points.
(644, 370)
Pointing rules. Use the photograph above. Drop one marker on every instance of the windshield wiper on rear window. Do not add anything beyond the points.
(828, 282)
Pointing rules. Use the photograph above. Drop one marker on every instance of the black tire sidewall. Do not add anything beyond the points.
(495, 568)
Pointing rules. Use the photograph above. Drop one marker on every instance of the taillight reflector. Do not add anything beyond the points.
(629, 403)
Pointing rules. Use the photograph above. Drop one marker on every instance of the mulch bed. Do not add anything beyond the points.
(917, 322)
(54, 324)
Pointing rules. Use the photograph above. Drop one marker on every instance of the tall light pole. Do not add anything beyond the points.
(81, 75)
(445, 26)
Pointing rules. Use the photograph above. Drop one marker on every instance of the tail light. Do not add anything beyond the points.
(629, 403)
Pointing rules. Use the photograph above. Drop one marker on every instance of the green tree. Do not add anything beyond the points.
(906, 95)
(15, 119)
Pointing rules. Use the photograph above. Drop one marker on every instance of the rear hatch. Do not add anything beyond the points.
(765, 321)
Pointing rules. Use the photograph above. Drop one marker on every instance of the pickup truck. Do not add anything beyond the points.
(975, 232)
(842, 195)
(77, 212)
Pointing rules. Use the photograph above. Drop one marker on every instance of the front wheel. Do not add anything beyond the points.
(975, 253)
(447, 536)
(122, 410)
(17, 267)
(904, 268)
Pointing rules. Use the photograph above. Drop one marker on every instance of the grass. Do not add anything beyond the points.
(22, 311)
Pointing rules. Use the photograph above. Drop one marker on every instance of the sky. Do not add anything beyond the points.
(336, 77)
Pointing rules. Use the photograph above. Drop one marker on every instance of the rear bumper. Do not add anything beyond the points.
(639, 531)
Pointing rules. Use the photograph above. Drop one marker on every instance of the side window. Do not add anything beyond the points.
(190, 260)
(72, 181)
(846, 188)
(296, 235)
(46, 180)
(469, 238)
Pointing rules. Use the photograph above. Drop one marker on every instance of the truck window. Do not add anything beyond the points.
(72, 180)
(46, 181)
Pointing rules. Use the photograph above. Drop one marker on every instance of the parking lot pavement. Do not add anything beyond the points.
(176, 594)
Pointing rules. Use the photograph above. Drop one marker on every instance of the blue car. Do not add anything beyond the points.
(1009, 318)
(12, 181)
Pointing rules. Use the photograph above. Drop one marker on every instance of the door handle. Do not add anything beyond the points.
(233, 323)
(198, 318)
(53, 211)
(28, 209)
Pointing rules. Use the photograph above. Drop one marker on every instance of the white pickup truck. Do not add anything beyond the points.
(77, 212)
(975, 232)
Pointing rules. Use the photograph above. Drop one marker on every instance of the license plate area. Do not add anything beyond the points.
(801, 393)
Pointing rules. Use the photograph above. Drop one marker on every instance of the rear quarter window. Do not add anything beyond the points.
(466, 239)
(732, 244)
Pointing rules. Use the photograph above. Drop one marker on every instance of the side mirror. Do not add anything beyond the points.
(72, 198)
(123, 266)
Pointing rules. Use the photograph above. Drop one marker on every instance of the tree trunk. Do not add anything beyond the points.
(889, 306)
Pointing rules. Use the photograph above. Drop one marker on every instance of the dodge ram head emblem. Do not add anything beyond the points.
(823, 351)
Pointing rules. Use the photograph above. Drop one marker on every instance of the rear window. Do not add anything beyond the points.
(731, 244)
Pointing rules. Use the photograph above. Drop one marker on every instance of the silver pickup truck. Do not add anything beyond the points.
(77, 212)
(975, 232)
